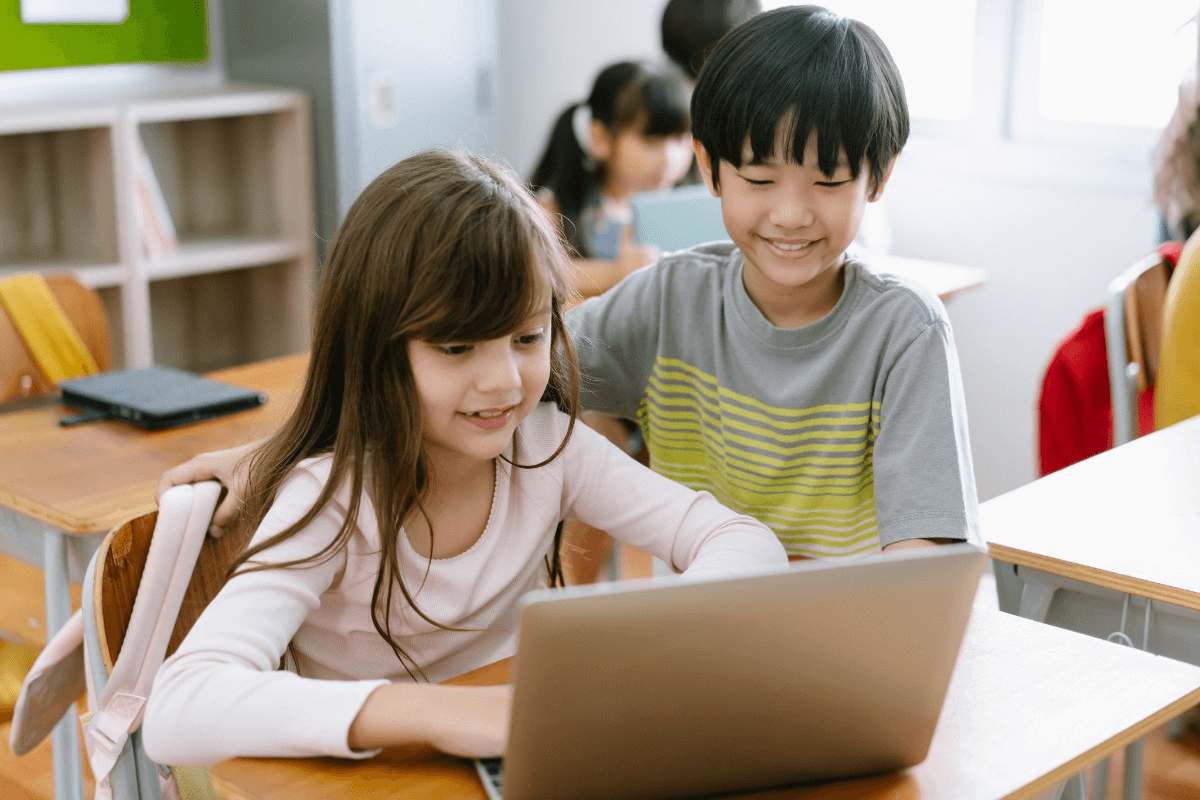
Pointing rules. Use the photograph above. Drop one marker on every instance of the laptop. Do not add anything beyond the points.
(678, 218)
(154, 397)
(666, 688)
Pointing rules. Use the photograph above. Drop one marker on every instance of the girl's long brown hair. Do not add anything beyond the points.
(442, 247)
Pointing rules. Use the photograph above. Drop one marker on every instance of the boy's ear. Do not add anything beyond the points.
(705, 163)
(887, 173)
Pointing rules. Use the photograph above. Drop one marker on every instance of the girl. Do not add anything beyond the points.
(415, 492)
(631, 135)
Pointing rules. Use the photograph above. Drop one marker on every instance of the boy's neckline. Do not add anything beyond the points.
(783, 315)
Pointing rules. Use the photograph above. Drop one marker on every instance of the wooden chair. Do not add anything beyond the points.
(1133, 320)
(20, 376)
(120, 561)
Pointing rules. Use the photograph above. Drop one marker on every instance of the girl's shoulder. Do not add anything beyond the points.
(542, 431)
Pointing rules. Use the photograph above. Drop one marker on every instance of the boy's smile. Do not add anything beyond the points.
(793, 224)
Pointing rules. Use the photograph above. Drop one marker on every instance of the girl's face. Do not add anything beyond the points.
(473, 394)
(636, 162)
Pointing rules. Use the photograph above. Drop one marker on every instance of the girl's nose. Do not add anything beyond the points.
(501, 371)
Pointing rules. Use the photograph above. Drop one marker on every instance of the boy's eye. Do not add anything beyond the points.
(757, 182)
(832, 184)
(454, 349)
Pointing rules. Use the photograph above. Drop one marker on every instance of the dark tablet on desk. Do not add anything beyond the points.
(154, 397)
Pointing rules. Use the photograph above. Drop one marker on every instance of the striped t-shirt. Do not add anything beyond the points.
(841, 435)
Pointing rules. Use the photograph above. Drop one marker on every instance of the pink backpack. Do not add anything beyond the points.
(71, 660)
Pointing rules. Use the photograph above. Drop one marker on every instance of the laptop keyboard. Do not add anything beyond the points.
(491, 772)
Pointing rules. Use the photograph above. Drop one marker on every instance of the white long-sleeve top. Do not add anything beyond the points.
(222, 694)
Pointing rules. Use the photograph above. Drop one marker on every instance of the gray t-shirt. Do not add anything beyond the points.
(843, 435)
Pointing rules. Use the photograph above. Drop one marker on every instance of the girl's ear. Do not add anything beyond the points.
(602, 141)
(704, 161)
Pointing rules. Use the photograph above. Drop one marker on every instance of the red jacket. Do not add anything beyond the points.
(1075, 406)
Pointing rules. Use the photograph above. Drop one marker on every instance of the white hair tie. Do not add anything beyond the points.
(581, 123)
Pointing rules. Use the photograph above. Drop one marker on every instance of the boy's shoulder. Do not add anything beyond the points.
(879, 291)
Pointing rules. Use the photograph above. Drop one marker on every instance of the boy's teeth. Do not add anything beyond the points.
(786, 246)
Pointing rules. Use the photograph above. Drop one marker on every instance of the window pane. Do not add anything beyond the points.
(1113, 62)
(935, 61)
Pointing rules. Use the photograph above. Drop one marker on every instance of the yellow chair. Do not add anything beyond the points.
(20, 375)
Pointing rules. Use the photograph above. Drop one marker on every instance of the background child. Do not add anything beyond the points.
(690, 28)
(415, 492)
(631, 135)
(795, 384)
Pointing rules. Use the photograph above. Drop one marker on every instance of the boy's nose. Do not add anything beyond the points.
(791, 211)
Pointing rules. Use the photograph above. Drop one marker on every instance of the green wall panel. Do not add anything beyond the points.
(154, 31)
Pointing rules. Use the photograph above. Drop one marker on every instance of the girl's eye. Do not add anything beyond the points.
(454, 349)
(529, 339)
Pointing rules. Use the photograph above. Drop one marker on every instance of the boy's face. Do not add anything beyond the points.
(792, 223)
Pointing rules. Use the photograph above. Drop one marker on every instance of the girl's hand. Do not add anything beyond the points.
(632, 257)
(229, 467)
(472, 721)
(464, 721)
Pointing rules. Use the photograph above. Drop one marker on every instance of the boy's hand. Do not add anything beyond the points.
(230, 467)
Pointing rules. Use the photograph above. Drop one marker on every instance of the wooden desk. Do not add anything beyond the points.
(1127, 519)
(1029, 706)
(944, 280)
(61, 489)
(90, 478)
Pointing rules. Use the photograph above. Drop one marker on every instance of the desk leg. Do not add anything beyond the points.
(68, 769)
(1133, 770)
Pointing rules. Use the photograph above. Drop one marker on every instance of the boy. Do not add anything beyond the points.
(786, 378)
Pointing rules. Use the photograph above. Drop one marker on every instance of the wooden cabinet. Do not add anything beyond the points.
(234, 165)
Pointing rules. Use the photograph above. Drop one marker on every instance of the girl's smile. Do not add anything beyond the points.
(491, 420)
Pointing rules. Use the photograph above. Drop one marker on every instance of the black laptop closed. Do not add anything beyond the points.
(156, 397)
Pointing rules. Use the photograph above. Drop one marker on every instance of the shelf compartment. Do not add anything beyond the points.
(57, 198)
(222, 176)
(223, 318)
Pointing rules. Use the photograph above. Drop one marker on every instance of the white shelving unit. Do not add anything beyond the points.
(235, 167)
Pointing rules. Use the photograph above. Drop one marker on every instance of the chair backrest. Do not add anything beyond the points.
(1133, 335)
(20, 376)
(120, 562)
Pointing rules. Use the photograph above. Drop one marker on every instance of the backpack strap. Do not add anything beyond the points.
(183, 518)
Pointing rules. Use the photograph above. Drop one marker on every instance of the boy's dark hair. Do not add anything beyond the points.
(813, 72)
(690, 28)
